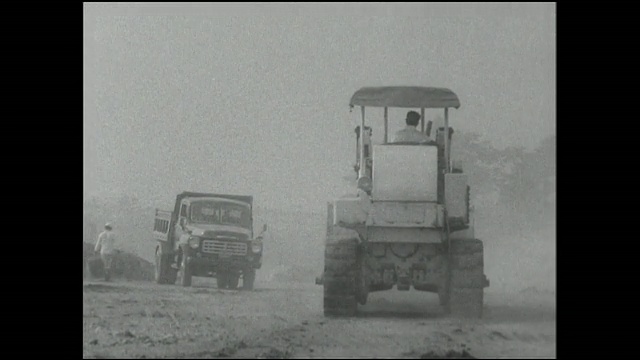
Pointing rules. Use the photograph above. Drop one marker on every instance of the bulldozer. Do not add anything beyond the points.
(410, 223)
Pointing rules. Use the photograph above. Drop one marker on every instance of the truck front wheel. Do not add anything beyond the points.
(234, 279)
(222, 279)
(164, 274)
(184, 273)
(248, 278)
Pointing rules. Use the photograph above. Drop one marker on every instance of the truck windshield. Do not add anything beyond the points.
(223, 213)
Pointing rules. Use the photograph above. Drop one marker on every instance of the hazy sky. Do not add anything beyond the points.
(254, 99)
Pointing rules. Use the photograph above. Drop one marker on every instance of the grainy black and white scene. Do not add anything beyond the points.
(319, 180)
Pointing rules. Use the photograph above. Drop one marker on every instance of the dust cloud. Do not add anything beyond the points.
(254, 108)
(253, 99)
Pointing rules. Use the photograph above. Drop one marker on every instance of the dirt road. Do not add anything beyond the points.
(145, 320)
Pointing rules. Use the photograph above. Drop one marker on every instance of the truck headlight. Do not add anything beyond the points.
(256, 247)
(194, 242)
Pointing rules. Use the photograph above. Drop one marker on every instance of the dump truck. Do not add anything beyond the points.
(410, 223)
(208, 235)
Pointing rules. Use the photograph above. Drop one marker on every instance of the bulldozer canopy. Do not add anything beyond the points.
(405, 97)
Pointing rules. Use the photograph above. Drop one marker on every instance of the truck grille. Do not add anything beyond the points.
(224, 248)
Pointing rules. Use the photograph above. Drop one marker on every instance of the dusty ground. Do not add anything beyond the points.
(141, 319)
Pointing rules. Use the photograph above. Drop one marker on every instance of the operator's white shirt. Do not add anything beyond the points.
(410, 134)
(106, 242)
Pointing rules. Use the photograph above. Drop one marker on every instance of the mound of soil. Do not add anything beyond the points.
(125, 265)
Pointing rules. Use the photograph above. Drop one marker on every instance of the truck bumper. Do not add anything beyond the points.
(208, 264)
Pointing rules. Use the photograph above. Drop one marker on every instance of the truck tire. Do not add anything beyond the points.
(95, 267)
(340, 279)
(163, 271)
(222, 280)
(362, 289)
(172, 276)
(248, 278)
(184, 273)
(233, 280)
(465, 293)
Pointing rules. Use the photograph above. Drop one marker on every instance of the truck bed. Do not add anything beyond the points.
(161, 225)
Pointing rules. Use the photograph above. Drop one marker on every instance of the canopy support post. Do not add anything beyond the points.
(386, 124)
(363, 162)
(446, 139)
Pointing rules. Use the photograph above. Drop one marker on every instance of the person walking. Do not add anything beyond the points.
(105, 247)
